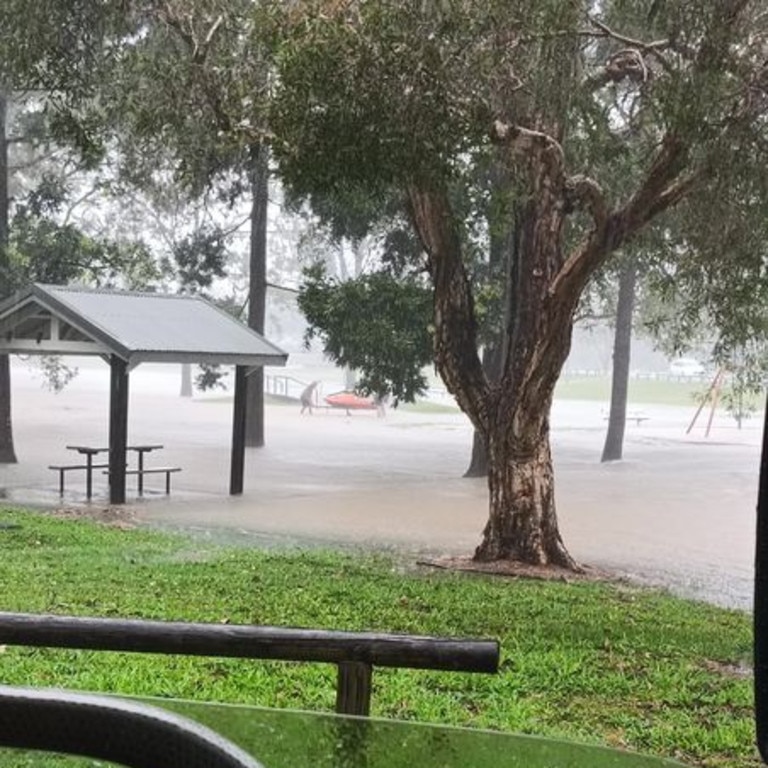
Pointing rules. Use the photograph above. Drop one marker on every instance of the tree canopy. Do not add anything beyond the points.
(605, 118)
(376, 323)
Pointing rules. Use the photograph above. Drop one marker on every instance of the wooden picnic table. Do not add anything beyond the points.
(90, 451)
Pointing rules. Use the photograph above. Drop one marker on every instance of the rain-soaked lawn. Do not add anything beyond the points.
(598, 663)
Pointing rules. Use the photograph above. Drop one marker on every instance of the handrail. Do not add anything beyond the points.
(125, 732)
(355, 653)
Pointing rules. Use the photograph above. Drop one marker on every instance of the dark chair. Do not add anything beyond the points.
(120, 731)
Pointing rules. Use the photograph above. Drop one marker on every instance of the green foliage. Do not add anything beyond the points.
(596, 663)
(210, 377)
(164, 82)
(199, 258)
(381, 93)
(746, 382)
(42, 249)
(56, 373)
(377, 324)
(391, 94)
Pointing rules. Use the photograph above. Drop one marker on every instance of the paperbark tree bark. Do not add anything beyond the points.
(478, 463)
(522, 524)
(512, 412)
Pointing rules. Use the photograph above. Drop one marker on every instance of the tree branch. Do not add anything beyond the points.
(664, 170)
(659, 190)
(675, 192)
(522, 140)
(664, 187)
(94, 190)
(584, 193)
(455, 335)
(209, 37)
(666, 183)
(630, 41)
(198, 53)
(626, 64)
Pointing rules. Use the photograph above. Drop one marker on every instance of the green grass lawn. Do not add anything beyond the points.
(593, 663)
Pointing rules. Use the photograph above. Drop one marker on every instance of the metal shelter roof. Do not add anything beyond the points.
(137, 327)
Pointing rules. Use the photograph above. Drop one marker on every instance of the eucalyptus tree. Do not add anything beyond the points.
(23, 131)
(622, 344)
(158, 82)
(380, 95)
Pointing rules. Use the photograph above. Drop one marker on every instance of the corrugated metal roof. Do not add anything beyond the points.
(141, 327)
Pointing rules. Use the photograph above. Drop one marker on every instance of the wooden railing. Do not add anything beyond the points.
(282, 385)
(354, 653)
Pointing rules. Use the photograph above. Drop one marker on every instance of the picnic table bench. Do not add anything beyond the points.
(151, 471)
(89, 467)
(637, 416)
(89, 452)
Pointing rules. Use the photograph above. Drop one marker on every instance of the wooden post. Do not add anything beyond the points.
(712, 396)
(118, 428)
(715, 400)
(760, 608)
(353, 688)
(238, 432)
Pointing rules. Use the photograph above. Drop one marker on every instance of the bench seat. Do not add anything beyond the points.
(62, 468)
(152, 471)
(638, 418)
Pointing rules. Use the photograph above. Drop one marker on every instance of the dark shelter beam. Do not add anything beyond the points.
(760, 615)
(238, 432)
(118, 428)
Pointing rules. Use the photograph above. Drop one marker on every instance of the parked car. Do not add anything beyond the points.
(686, 366)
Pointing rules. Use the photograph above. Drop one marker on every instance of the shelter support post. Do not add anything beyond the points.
(760, 609)
(238, 431)
(118, 428)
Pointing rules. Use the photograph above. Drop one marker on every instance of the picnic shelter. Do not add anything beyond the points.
(127, 328)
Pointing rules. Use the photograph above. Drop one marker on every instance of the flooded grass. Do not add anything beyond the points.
(641, 391)
(594, 663)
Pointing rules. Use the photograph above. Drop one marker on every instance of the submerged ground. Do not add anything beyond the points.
(678, 511)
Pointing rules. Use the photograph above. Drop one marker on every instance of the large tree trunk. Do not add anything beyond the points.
(257, 290)
(7, 452)
(622, 344)
(512, 414)
(522, 524)
(478, 461)
(502, 226)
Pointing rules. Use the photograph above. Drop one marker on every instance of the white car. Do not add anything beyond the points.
(686, 366)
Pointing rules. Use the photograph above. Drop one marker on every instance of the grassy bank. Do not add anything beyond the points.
(593, 663)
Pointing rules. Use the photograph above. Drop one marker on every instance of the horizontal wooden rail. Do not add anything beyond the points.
(355, 653)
